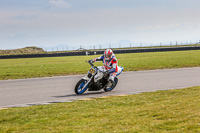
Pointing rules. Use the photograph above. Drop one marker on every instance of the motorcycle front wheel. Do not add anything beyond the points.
(79, 87)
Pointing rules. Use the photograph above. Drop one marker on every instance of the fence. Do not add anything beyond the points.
(125, 44)
(101, 52)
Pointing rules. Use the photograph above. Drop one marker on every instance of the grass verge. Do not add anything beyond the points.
(59, 66)
(171, 111)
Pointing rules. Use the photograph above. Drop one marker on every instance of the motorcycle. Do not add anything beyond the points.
(96, 80)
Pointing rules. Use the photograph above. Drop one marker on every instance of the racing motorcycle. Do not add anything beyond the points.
(96, 80)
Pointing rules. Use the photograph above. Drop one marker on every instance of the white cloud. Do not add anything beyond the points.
(59, 4)
(95, 25)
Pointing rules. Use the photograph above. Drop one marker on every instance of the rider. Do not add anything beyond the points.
(110, 64)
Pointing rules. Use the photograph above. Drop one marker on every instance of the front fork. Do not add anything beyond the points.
(88, 79)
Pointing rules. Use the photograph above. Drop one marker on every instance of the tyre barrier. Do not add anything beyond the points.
(142, 50)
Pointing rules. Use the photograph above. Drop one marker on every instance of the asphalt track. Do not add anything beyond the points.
(26, 92)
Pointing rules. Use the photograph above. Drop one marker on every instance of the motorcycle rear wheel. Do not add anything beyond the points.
(113, 86)
(79, 87)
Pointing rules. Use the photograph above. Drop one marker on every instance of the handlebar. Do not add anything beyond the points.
(93, 65)
(104, 72)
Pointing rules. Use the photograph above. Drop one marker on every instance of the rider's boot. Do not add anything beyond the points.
(110, 83)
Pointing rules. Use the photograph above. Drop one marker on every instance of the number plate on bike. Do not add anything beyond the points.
(92, 70)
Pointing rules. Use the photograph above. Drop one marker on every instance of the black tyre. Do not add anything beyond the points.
(113, 86)
(79, 87)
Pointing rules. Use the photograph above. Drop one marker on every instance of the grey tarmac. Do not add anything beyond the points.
(35, 91)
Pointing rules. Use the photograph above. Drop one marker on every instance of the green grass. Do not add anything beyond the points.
(173, 111)
(58, 66)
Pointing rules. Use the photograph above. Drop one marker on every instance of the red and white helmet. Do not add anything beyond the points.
(108, 54)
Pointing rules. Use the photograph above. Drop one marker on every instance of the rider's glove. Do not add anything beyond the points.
(106, 74)
(91, 61)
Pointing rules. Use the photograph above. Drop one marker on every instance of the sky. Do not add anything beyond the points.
(49, 23)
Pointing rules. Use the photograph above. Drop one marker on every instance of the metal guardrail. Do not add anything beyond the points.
(101, 52)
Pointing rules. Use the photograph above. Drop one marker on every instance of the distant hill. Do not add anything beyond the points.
(26, 50)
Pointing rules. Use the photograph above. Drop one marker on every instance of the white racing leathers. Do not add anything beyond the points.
(109, 65)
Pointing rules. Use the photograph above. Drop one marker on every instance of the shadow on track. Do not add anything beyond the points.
(85, 94)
